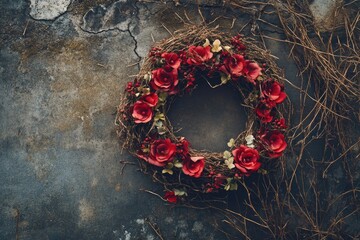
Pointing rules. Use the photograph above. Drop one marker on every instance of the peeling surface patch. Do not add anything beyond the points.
(86, 211)
(119, 15)
(197, 227)
(118, 187)
(48, 9)
(127, 235)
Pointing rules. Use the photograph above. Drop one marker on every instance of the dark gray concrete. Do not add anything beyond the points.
(60, 170)
(60, 161)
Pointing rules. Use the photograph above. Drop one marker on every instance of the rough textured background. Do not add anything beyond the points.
(60, 81)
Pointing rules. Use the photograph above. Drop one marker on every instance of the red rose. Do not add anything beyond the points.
(161, 152)
(193, 166)
(165, 79)
(251, 70)
(235, 64)
(150, 99)
(264, 113)
(198, 55)
(172, 59)
(273, 92)
(274, 142)
(142, 112)
(170, 197)
(246, 159)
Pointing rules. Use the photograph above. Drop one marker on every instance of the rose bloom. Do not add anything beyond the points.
(274, 142)
(142, 112)
(264, 113)
(172, 59)
(246, 159)
(150, 99)
(274, 92)
(161, 152)
(199, 54)
(170, 197)
(251, 70)
(193, 166)
(165, 79)
(235, 64)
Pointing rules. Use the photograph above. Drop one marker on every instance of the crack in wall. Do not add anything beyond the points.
(135, 48)
(120, 16)
(132, 36)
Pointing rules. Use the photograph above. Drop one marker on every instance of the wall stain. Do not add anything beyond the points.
(86, 211)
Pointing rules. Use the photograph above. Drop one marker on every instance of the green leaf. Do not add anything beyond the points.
(147, 76)
(168, 171)
(263, 171)
(231, 143)
(230, 162)
(158, 123)
(207, 43)
(224, 78)
(162, 96)
(250, 141)
(161, 130)
(178, 192)
(169, 165)
(178, 164)
(160, 127)
(159, 116)
(233, 186)
(230, 185)
(227, 155)
(146, 91)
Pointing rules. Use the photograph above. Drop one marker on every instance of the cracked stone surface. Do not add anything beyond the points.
(48, 9)
(60, 82)
(121, 15)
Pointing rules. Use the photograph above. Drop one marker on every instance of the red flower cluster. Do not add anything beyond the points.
(236, 66)
(272, 93)
(163, 151)
(193, 166)
(142, 110)
(246, 159)
(199, 55)
(274, 143)
(170, 197)
(165, 79)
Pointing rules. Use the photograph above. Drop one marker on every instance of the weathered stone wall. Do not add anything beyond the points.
(62, 68)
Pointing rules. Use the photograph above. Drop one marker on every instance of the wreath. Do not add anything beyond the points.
(173, 68)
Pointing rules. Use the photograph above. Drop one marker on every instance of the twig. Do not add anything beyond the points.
(155, 228)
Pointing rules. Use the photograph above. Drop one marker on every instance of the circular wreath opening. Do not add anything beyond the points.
(208, 117)
(173, 68)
